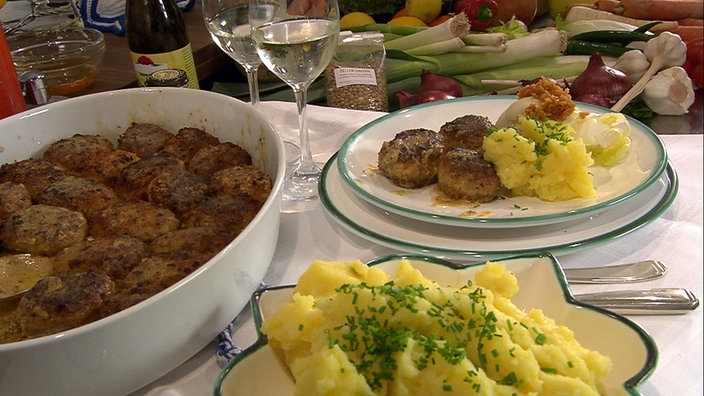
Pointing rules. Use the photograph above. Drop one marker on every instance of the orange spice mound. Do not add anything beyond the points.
(555, 101)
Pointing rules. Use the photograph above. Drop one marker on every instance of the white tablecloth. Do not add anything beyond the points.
(675, 239)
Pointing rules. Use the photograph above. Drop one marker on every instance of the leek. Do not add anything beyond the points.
(437, 48)
(493, 39)
(482, 48)
(539, 44)
(456, 26)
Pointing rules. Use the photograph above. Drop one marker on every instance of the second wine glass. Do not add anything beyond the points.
(228, 24)
(296, 42)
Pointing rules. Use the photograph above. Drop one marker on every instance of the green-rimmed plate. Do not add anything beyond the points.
(357, 162)
(407, 234)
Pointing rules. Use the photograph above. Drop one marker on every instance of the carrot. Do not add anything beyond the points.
(607, 5)
(688, 33)
(667, 10)
(691, 22)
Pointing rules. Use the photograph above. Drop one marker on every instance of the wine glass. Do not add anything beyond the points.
(296, 42)
(228, 24)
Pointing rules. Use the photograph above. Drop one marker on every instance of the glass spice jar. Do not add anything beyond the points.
(356, 77)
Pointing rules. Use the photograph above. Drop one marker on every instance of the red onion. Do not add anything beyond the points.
(408, 99)
(434, 82)
(596, 99)
(599, 79)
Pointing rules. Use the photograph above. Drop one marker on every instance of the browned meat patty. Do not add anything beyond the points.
(208, 240)
(140, 219)
(80, 194)
(43, 230)
(35, 174)
(62, 302)
(410, 159)
(248, 180)
(466, 132)
(107, 168)
(188, 141)
(232, 212)
(135, 177)
(179, 192)
(75, 153)
(13, 197)
(113, 256)
(143, 139)
(160, 271)
(464, 174)
(208, 160)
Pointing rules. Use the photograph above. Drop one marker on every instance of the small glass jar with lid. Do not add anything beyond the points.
(167, 78)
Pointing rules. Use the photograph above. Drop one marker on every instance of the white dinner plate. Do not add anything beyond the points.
(386, 228)
(260, 371)
(358, 157)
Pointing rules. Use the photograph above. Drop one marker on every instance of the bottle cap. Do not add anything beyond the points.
(34, 87)
(167, 78)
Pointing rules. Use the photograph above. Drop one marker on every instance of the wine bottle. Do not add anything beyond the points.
(157, 38)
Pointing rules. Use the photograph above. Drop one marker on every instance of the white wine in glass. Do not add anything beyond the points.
(296, 41)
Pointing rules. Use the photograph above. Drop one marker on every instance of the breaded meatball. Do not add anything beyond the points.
(188, 141)
(208, 240)
(80, 194)
(34, 174)
(232, 212)
(121, 300)
(107, 168)
(410, 159)
(248, 180)
(143, 139)
(62, 302)
(13, 197)
(464, 174)
(208, 160)
(43, 230)
(179, 192)
(75, 153)
(135, 177)
(466, 132)
(113, 256)
(160, 271)
(140, 219)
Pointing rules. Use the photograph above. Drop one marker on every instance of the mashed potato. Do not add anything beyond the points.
(352, 330)
(541, 158)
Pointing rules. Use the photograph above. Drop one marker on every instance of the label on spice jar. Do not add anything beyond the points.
(345, 76)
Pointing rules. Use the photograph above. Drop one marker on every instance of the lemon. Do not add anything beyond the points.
(557, 7)
(354, 19)
(406, 21)
(425, 10)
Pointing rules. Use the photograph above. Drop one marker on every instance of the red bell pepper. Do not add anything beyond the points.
(482, 14)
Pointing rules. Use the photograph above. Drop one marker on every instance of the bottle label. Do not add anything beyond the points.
(146, 64)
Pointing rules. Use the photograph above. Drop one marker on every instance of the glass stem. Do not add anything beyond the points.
(253, 82)
(307, 164)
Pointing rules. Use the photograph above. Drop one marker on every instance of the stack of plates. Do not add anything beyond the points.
(357, 196)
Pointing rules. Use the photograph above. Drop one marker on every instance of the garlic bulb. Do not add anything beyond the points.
(633, 63)
(669, 92)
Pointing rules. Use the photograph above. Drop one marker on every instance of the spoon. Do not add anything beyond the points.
(18, 273)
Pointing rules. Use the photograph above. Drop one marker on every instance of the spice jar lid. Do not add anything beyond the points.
(34, 87)
(167, 78)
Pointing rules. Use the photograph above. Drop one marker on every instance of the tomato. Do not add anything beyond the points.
(524, 10)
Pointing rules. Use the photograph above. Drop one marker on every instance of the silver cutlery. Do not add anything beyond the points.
(623, 273)
(659, 301)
